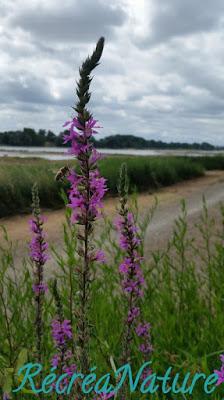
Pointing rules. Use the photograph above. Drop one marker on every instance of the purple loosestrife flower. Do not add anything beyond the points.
(142, 329)
(100, 256)
(61, 331)
(132, 279)
(87, 189)
(38, 251)
(38, 254)
(38, 245)
(85, 200)
(143, 332)
(133, 313)
(128, 231)
(220, 373)
(40, 288)
(62, 336)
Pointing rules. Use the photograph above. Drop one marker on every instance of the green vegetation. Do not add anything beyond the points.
(150, 173)
(210, 163)
(135, 142)
(29, 137)
(17, 176)
(183, 302)
(16, 179)
(145, 173)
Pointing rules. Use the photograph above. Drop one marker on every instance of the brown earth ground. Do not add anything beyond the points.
(211, 186)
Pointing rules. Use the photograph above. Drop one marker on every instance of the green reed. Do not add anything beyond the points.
(145, 174)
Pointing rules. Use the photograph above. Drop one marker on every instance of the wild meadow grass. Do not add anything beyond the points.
(145, 174)
(210, 163)
(183, 301)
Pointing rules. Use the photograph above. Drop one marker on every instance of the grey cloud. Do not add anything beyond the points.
(25, 89)
(201, 77)
(203, 106)
(81, 21)
(181, 68)
(178, 18)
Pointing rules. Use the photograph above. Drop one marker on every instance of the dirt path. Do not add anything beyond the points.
(211, 185)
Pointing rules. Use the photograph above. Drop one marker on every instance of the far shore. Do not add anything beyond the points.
(60, 153)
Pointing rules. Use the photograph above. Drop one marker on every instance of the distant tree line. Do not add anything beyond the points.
(131, 141)
(30, 137)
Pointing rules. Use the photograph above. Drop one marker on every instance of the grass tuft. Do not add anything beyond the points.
(149, 173)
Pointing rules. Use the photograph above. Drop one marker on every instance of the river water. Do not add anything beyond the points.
(59, 153)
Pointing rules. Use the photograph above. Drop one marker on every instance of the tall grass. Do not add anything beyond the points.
(210, 163)
(15, 182)
(145, 173)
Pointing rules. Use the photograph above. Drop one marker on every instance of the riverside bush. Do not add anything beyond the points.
(145, 173)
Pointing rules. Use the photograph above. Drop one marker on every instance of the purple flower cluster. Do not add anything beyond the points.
(87, 187)
(38, 254)
(133, 278)
(132, 282)
(62, 334)
(143, 332)
(38, 244)
(39, 288)
(130, 268)
(128, 232)
(61, 331)
(133, 313)
(78, 140)
(220, 373)
(56, 361)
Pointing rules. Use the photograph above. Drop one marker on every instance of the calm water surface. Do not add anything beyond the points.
(59, 153)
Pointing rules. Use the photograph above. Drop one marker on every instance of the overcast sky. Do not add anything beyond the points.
(161, 74)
